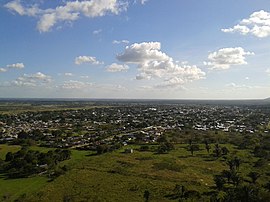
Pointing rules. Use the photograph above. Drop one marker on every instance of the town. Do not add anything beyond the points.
(127, 123)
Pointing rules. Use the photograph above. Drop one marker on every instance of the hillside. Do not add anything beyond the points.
(119, 176)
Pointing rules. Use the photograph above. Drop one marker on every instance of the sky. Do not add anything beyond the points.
(135, 49)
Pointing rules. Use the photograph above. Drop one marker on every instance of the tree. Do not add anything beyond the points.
(219, 181)
(103, 148)
(217, 150)
(237, 162)
(247, 193)
(224, 150)
(193, 147)
(208, 147)
(227, 174)
(179, 191)
(267, 186)
(9, 156)
(162, 139)
(254, 176)
(236, 179)
(23, 135)
(146, 195)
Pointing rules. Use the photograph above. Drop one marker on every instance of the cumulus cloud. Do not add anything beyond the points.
(153, 63)
(32, 80)
(71, 84)
(258, 24)
(172, 82)
(3, 70)
(87, 59)
(117, 68)
(226, 57)
(16, 66)
(268, 71)
(70, 11)
(121, 41)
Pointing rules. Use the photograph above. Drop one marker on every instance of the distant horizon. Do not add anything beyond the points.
(150, 99)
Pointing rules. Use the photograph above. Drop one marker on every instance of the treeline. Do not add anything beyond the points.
(25, 162)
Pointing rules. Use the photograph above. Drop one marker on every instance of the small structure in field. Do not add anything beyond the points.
(129, 151)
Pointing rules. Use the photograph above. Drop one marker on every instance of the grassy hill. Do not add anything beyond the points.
(119, 176)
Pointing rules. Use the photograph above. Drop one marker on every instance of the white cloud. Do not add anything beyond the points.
(87, 59)
(32, 80)
(236, 86)
(111, 87)
(268, 71)
(3, 70)
(117, 68)
(68, 74)
(84, 77)
(140, 53)
(75, 85)
(258, 24)
(226, 57)
(70, 11)
(121, 41)
(172, 82)
(95, 32)
(143, 1)
(16, 66)
(153, 63)
(140, 1)
(16, 6)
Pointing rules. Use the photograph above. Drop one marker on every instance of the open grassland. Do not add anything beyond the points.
(16, 108)
(118, 176)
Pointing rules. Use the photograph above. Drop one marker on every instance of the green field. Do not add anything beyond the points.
(119, 176)
(11, 189)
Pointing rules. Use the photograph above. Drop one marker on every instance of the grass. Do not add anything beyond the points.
(118, 176)
(11, 189)
(4, 149)
(11, 108)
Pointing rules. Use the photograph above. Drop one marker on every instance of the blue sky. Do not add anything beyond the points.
(177, 49)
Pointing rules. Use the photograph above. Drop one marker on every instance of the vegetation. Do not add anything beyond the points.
(126, 160)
